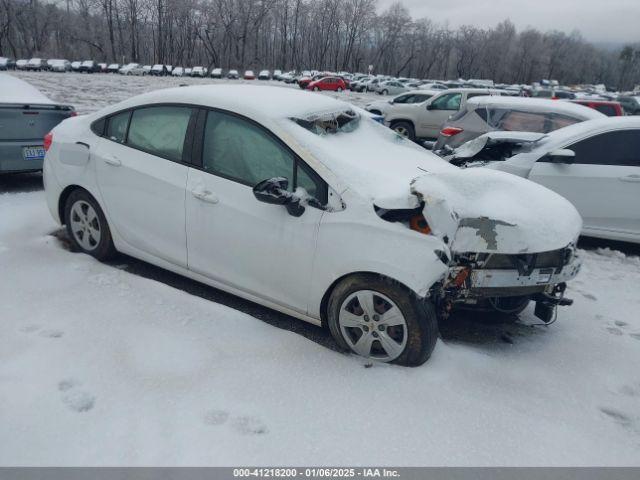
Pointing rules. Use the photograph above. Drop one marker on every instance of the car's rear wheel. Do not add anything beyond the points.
(87, 226)
(385, 92)
(404, 129)
(339, 89)
(380, 319)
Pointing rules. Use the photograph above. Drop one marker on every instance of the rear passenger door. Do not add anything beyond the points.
(603, 182)
(142, 173)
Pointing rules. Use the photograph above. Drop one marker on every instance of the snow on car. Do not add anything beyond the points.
(287, 165)
(488, 113)
(594, 164)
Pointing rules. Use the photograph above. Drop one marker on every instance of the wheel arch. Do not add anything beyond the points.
(327, 294)
(64, 195)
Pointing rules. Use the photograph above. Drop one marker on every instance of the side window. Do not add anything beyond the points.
(559, 121)
(117, 127)
(236, 149)
(97, 127)
(450, 101)
(514, 120)
(612, 148)
(160, 130)
(407, 98)
(420, 98)
(608, 110)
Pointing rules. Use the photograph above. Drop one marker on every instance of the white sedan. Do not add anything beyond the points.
(594, 164)
(304, 204)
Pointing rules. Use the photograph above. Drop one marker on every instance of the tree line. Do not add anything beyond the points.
(332, 35)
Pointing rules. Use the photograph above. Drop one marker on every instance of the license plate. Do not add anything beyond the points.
(544, 276)
(33, 153)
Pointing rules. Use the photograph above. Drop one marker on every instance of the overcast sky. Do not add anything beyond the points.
(598, 20)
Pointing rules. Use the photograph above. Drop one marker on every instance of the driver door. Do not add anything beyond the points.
(232, 237)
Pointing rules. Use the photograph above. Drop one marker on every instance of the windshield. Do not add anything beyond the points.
(333, 122)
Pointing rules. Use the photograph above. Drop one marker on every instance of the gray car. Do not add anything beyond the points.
(26, 116)
(631, 104)
(487, 114)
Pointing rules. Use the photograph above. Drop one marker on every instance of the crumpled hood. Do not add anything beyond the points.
(482, 210)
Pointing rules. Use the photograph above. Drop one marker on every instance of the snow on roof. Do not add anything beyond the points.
(14, 90)
(250, 100)
(536, 105)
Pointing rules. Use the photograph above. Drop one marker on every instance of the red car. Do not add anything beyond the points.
(334, 84)
(609, 108)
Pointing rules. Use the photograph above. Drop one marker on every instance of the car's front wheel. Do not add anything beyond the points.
(87, 226)
(316, 89)
(404, 129)
(380, 319)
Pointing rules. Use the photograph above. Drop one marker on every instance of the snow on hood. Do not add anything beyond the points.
(13, 90)
(482, 210)
(473, 147)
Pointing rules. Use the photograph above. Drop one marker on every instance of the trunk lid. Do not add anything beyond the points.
(30, 122)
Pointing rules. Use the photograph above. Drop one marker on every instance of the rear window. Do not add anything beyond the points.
(608, 110)
(517, 120)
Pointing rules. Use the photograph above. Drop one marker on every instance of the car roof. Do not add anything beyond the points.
(536, 105)
(250, 100)
(16, 91)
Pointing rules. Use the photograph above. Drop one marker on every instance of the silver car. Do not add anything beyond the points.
(488, 114)
(26, 116)
(391, 87)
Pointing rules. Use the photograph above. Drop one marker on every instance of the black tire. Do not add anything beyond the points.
(420, 316)
(105, 248)
(407, 127)
(385, 92)
(316, 89)
(339, 89)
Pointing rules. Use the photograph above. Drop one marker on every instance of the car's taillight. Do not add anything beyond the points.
(450, 131)
(74, 113)
(48, 138)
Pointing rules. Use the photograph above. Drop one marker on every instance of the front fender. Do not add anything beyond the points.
(388, 249)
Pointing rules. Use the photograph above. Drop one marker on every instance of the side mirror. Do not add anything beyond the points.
(430, 106)
(563, 155)
(274, 191)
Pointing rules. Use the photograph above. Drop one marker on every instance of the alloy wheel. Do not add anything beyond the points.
(85, 225)
(373, 326)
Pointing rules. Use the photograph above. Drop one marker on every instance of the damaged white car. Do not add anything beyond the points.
(304, 204)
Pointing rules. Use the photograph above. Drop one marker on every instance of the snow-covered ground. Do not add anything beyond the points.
(99, 366)
(91, 92)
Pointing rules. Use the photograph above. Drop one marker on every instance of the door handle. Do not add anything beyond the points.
(111, 160)
(205, 196)
(630, 178)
